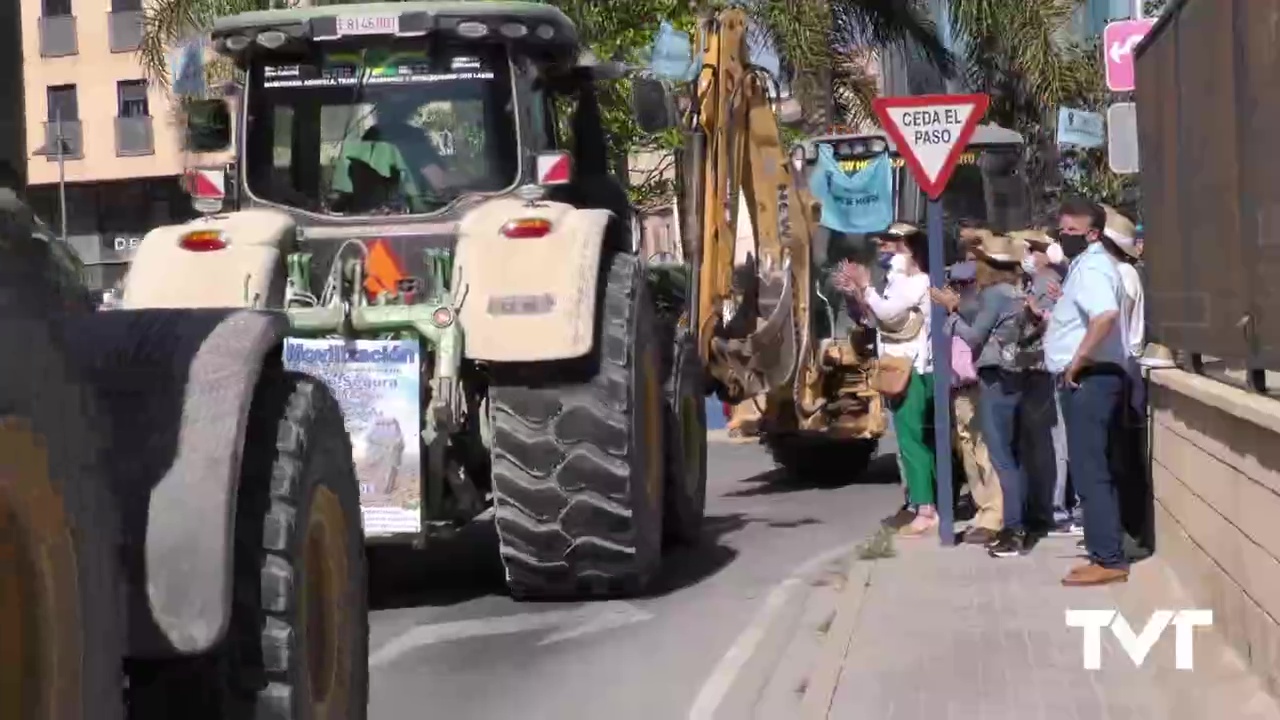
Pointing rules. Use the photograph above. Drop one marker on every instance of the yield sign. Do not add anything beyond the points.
(930, 132)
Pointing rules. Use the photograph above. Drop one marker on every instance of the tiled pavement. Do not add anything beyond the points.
(952, 634)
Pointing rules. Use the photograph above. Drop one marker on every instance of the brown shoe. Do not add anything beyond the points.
(1085, 567)
(979, 536)
(1089, 575)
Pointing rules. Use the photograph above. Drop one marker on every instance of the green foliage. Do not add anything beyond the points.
(613, 33)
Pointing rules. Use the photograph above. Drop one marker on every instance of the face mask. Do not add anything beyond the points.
(886, 260)
(1072, 244)
(898, 264)
(1029, 264)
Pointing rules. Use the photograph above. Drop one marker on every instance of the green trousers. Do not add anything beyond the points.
(913, 426)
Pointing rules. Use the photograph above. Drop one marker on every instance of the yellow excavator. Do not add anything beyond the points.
(768, 332)
(757, 336)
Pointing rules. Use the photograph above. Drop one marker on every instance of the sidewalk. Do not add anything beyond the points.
(952, 634)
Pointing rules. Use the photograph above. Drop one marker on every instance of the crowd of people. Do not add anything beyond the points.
(1046, 331)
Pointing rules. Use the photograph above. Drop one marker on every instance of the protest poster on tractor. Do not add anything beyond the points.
(377, 383)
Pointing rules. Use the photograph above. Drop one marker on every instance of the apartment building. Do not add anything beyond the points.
(85, 93)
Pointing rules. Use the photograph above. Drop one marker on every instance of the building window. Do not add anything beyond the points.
(55, 8)
(62, 103)
(124, 5)
(131, 95)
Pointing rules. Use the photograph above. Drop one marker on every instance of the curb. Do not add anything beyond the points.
(825, 675)
(743, 675)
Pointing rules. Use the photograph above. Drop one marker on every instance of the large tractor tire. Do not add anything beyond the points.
(578, 459)
(686, 444)
(61, 611)
(298, 644)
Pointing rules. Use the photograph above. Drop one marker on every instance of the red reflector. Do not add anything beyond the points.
(204, 241)
(528, 228)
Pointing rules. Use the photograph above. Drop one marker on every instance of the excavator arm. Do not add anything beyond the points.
(736, 147)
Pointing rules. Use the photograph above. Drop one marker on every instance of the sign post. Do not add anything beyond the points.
(930, 132)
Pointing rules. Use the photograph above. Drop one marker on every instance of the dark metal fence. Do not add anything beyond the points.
(1208, 93)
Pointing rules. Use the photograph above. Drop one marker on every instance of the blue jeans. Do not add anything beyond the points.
(998, 401)
(1090, 411)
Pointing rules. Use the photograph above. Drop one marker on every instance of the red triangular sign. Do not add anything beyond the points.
(206, 183)
(930, 132)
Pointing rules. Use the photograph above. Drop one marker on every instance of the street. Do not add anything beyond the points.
(446, 641)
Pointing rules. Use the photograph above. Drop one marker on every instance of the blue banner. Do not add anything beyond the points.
(671, 57)
(861, 202)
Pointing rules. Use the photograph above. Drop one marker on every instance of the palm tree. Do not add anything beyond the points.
(823, 46)
(1023, 55)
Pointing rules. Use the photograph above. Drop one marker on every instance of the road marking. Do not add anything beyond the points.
(569, 623)
(717, 685)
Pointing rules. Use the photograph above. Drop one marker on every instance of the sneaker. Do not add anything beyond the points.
(919, 527)
(1067, 528)
(902, 518)
(1009, 543)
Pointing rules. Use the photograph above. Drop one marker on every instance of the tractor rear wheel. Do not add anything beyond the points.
(298, 644)
(578, 459)
(61, 612)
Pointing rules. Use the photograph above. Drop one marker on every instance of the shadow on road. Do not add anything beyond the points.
(855, 470)
(467, 566)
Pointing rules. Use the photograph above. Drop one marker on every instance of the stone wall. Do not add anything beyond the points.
(1216, 477)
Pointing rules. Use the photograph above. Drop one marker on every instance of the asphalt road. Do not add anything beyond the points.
(447, 642)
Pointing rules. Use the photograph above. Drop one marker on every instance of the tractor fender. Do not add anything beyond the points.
(248, 272)
(175, 388)
(529, 298)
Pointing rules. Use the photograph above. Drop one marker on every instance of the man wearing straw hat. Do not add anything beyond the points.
(1085, 346)
(1120, 236)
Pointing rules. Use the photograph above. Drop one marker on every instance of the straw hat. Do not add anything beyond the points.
(1121, 231)
(1157, 356)
(1002, 249)
(1035, 238)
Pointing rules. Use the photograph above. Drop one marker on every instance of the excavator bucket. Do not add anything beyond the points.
(766, 359)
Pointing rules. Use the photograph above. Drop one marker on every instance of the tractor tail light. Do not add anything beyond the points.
(526, 228)
(203, 241)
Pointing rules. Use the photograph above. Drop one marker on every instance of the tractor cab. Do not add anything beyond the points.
(388, 123)
(401, 111)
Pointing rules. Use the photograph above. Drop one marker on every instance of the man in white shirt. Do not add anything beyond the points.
(1130, 457)
(1085, 347)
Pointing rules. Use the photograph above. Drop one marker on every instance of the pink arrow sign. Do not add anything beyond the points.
(1118, 41)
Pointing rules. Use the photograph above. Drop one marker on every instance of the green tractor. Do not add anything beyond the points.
(457, 262)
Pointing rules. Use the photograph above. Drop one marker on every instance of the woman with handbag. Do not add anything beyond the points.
(995, 337)
(904, 372)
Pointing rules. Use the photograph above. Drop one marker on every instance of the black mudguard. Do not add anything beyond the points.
(175, 387)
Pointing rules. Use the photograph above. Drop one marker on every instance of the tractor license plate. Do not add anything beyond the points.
(388, 24)
(378, 385)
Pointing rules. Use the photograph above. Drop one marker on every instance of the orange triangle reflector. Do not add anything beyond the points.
(382, 271)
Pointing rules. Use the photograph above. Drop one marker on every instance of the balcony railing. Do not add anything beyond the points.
(58, 36)
(124, 30)
(134, 136)
(72, 140)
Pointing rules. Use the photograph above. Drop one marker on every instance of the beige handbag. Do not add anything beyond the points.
(892, 376)
(904, 330)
